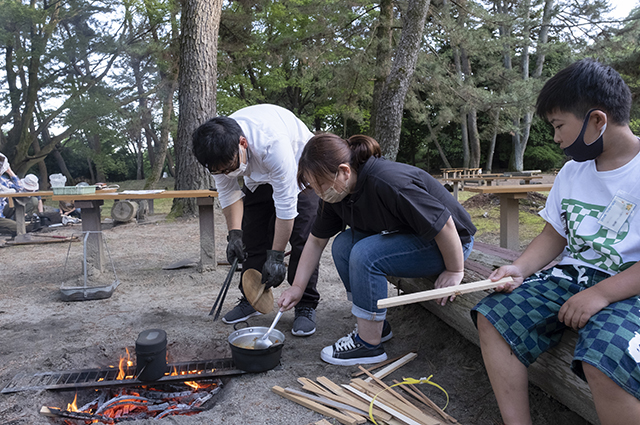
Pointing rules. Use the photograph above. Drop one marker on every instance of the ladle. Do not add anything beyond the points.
(264, 341)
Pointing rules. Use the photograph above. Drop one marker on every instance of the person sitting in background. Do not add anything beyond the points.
(68, 208)
(11, 185)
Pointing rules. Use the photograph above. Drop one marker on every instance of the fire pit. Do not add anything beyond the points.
(114, 405)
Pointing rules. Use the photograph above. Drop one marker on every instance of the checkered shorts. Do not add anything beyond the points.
(527, 318)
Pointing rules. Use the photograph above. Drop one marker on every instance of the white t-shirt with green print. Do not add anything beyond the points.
(579, 196)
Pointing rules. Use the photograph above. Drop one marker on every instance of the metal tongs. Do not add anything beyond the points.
(223, 291)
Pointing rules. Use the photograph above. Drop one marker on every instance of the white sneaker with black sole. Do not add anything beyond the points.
(349, 351)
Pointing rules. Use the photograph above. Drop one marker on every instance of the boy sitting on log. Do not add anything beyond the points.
(592, 225)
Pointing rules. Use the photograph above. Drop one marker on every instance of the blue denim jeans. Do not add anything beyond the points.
(364, 261)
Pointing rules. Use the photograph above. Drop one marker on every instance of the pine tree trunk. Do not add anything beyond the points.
(391, 103)
(200, 23)
(383, 38)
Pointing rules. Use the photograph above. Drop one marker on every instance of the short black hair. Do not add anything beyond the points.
(585, 85)
(215, 143)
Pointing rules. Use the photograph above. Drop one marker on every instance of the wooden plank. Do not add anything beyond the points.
(376, 366)
(394, 366)
(433, 294)
(405, 419)
(358, 415)
(521, 188)
(413, 410)
(316, 407)
(418, 395)
(351, 399)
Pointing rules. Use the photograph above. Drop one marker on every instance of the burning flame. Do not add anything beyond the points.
(121, 372)
(73, 407)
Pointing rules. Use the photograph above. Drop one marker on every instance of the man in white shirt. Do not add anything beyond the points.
(262, 143)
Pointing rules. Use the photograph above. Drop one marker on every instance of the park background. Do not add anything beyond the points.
(111, 90)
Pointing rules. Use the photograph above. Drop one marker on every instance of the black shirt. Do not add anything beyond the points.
(394, 197)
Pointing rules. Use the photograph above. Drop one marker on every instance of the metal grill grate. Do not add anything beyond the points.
(94, 378)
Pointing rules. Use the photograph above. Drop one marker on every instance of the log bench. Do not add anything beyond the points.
(551, 372)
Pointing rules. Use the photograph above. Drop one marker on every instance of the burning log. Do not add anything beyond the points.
(143, 402)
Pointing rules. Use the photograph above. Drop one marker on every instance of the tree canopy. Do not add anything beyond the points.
(91, 89)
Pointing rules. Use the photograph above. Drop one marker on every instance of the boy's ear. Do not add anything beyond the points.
(599, 118)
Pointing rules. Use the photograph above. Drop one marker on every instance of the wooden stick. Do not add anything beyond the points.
(375, 366)
(410, 389)
(390, 398)
(353, 400)
(384, 407)
(316, 407)
(383, 385)
(357, 414)
(393, 366)
(432, 294)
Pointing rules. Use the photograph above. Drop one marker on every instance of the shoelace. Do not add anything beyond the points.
(345, 343)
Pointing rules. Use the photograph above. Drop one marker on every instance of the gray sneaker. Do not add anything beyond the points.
(305, 321)
(240, 312)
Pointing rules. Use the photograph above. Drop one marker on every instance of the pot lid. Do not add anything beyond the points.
(151, 340)
(254, 290)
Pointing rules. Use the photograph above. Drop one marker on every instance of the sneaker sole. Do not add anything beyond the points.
(303, 333)
(387, 337)
(242, 319)
(351, 362)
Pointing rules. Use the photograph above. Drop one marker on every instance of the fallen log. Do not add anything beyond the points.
(551, 372)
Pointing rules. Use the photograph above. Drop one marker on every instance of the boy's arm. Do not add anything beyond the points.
(579, 308)
(540, 252)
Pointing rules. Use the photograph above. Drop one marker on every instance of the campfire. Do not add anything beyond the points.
(114, 405)
(126, 400)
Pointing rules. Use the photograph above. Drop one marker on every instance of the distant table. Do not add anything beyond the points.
(509, 196)
(90, 211)
(19, 208)
(488, 179)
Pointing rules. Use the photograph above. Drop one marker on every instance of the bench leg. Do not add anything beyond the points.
(90, 213)
(207, 235)
(21, 228)
(509, 233)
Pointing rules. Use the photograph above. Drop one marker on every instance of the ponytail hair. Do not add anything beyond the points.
(324, 153)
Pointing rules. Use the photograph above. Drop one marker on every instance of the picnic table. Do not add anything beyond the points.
(489, 179)
(19, 207)
(89, 205)
(509, 200)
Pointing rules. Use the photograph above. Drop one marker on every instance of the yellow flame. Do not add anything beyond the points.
(73, 407)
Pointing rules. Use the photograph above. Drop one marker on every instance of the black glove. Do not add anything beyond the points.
(235, 247)
(273, 270)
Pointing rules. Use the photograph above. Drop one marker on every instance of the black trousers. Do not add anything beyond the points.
(258, 225)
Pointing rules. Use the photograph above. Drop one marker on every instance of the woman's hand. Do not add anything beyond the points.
(289, 298)
(445, 280)
(504, 271)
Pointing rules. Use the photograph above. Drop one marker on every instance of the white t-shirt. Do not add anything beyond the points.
(276, 138)
(578, 199)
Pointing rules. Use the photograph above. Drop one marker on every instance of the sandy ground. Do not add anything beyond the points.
(40, 333)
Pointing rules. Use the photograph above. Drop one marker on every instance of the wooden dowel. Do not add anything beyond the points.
(433, 294)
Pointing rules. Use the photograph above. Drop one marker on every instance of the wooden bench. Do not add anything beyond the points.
(551, 372)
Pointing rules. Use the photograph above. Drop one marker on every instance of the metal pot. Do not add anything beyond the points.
(249, 359)
(151, 355)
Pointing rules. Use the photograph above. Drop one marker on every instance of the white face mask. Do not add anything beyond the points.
(331, 195)
(243, 164)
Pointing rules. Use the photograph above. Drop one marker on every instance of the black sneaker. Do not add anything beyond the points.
(304, 323)
(240, 312)
(349, 351)
(387, 334)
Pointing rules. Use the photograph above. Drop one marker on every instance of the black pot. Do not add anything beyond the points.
(151, 355)
(251, 360)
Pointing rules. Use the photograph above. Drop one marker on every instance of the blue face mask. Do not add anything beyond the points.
(579, 151)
